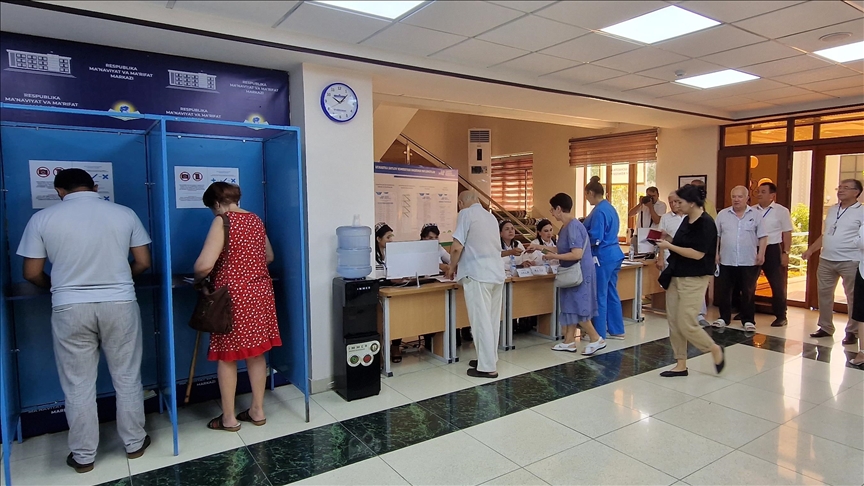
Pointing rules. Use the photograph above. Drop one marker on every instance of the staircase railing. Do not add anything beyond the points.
(408, 141)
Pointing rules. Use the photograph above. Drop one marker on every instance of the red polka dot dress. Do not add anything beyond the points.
(243, 268)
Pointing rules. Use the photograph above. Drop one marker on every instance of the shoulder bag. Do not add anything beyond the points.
(213, 310)
(571, 276)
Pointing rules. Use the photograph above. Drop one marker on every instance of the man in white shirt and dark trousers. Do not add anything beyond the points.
(775, 223)
(88, 241)
(475, 258)
(839, 258)
(649, 210)
(740, 251)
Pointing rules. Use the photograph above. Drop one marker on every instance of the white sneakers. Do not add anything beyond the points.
(592, 348)
(719, 323)
(749, 326)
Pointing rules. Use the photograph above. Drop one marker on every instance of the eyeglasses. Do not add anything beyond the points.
(845, 188)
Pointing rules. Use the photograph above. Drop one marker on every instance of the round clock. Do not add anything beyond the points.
(339, 102)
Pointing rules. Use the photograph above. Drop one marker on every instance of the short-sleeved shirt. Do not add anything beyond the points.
(669, 223)
(87, 241)
(841, 231)
(774, 220)
(643, 220)
(739, 243)
(477, 230)
(701, 235)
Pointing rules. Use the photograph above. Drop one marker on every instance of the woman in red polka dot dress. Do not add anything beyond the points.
(243, 268)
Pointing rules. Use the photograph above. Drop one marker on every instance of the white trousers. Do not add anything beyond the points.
(483, 302)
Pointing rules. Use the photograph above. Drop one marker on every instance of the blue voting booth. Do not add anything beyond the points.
(143, 158)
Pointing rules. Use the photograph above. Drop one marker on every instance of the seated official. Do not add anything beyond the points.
(430, 231)
(545, 238)
(512, 251)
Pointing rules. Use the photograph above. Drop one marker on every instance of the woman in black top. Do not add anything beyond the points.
(691, 264)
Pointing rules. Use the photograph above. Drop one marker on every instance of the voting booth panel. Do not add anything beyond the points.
(27, 152)
(9, 402)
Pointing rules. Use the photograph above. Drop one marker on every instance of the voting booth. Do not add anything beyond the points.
(157, 166)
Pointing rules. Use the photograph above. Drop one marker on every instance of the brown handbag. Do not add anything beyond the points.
(213, 310)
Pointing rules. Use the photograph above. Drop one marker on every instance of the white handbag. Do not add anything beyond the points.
(570, 276)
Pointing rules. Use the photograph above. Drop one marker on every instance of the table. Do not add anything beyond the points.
(651, 287)
(408, 312)
(630, 280)
(532, 296)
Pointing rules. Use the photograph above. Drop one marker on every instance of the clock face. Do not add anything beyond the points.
(339, 102)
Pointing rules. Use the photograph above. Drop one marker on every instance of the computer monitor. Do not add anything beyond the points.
(404, 259)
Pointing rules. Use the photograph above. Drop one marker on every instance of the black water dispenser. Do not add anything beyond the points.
(357, 344)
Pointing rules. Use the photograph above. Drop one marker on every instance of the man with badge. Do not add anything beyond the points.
(775, 223)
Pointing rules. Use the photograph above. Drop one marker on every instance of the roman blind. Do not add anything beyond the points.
(619, 148)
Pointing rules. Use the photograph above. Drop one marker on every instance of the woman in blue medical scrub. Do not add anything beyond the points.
(602, 225)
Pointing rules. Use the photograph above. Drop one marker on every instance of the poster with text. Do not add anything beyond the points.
(191, 182)
(407, 197)
(42, 172)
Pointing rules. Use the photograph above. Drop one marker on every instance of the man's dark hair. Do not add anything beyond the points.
(772, 188)
(653, 189)
(562, 200)
(71, 179)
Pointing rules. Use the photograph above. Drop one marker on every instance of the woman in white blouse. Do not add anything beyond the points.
(545, 237)
(430, 231)
(512, 250)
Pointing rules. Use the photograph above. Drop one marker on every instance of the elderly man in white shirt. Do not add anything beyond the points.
(475, 258)
(649, 210)
(740, 251)
(840, 257)
(775, 223)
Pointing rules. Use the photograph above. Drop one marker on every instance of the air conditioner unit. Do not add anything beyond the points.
(480, 158)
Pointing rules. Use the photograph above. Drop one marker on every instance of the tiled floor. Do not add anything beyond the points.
(784, 411)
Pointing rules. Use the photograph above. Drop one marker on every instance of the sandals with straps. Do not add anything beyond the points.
(216, 424)
(245, 417)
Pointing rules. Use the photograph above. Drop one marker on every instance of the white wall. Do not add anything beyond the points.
(687, 152)
(339, 184)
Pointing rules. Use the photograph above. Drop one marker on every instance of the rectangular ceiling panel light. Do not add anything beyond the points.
(659, 25)
(720, 78)
(388, 10)
(849, 52)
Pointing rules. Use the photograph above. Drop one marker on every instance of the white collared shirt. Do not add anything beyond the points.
(669, 223)
(739, 242)
(643, 220)
(773, 222)
(477, 230)
(839, 240)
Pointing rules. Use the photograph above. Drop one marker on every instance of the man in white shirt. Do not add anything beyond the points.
(649, 210)
(775, 223)
(740, 251)
(668, 226)
(839, 258)
(475, 258)
(88, 241)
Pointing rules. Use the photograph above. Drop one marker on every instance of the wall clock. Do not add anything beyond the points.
(339, 102)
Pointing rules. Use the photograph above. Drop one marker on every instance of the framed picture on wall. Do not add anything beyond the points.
(687, 179)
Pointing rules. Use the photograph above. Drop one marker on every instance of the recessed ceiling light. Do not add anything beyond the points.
(720, 78)
(835, 36)
(388, 10)
(849, 52)
(659, 25)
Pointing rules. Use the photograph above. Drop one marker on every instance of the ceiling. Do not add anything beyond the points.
(552, 45)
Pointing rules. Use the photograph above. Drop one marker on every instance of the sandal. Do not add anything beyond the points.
(245, 417)
(216, 424)
(395, 354)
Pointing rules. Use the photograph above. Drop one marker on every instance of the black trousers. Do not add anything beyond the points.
(857, 310)
(776, 275)
(737, 279)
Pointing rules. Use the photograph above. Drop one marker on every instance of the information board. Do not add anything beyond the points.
(409, 196)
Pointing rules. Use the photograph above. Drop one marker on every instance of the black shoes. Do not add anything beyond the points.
(481, 374)
(851, 338)
(472, 363)
(670, 373)
(719, 366)
(779, 322)
(78, 467)
(819, 334)
(140, 452)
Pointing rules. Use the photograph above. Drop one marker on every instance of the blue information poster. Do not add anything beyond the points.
(48, 72)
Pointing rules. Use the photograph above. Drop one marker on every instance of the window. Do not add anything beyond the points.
(513, 182)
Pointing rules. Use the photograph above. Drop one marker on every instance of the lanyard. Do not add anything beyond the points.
(840, 214)
(768, 211)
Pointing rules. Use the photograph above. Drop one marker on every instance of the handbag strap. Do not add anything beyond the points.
(226, 223)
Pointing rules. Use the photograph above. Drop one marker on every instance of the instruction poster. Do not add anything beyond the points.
(191, 182)
(42, 172)
(409, 196)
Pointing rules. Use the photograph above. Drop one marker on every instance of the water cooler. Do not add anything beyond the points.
(357, 344)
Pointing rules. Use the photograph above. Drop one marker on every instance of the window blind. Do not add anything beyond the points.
(513, 183)
(619, 148)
